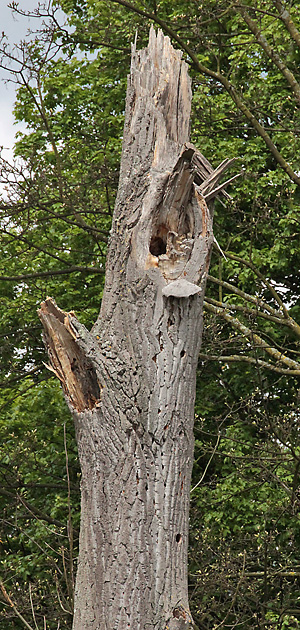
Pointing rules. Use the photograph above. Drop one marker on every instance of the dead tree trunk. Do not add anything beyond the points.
(130, 383)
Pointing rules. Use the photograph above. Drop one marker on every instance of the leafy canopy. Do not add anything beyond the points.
(55, 221)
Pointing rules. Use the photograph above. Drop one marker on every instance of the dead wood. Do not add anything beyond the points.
(130, 382)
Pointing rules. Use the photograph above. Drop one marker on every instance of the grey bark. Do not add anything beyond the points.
(130, 382)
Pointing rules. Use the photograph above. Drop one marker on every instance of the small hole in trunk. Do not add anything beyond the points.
(157, 246)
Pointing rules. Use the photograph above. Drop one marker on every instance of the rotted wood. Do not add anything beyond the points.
(130, 382)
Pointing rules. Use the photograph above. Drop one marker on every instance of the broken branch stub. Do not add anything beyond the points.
(69, 362)
(130, 382)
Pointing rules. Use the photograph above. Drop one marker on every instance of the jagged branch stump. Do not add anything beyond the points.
(130, 382)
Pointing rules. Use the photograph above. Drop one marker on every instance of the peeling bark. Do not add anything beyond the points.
(130, 382)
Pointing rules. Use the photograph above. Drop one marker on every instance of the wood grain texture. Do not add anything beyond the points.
(132, 387)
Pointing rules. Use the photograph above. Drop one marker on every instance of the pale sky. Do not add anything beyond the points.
(16, 29)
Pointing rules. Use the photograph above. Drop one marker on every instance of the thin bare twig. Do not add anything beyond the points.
(32, 608)
(13, 606)
(208, 464)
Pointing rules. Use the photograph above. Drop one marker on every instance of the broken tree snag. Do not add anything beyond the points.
(135, 440)
(151, 319)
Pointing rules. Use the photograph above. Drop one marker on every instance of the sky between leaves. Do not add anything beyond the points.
(15, 28)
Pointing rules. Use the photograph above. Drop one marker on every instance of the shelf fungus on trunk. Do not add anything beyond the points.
(130, 382)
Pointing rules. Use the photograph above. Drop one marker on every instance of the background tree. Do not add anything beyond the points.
(240, 403)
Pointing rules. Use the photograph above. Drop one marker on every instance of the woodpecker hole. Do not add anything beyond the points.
(157, 246)
(158, 243)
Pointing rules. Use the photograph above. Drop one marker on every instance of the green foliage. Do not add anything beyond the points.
(36, 545)
(55, 221)
(245, 524)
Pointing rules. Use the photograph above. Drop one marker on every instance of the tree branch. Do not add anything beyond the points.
(13, 606)
(288, 75)
(19, 237)
(273, 292)
(285, 17)
(31, 508)
(235, 358)
(220, 78)
(246, 296)
(42, 110)
(247, 332)
(283, 318)
(57, 272)
(247, 311)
